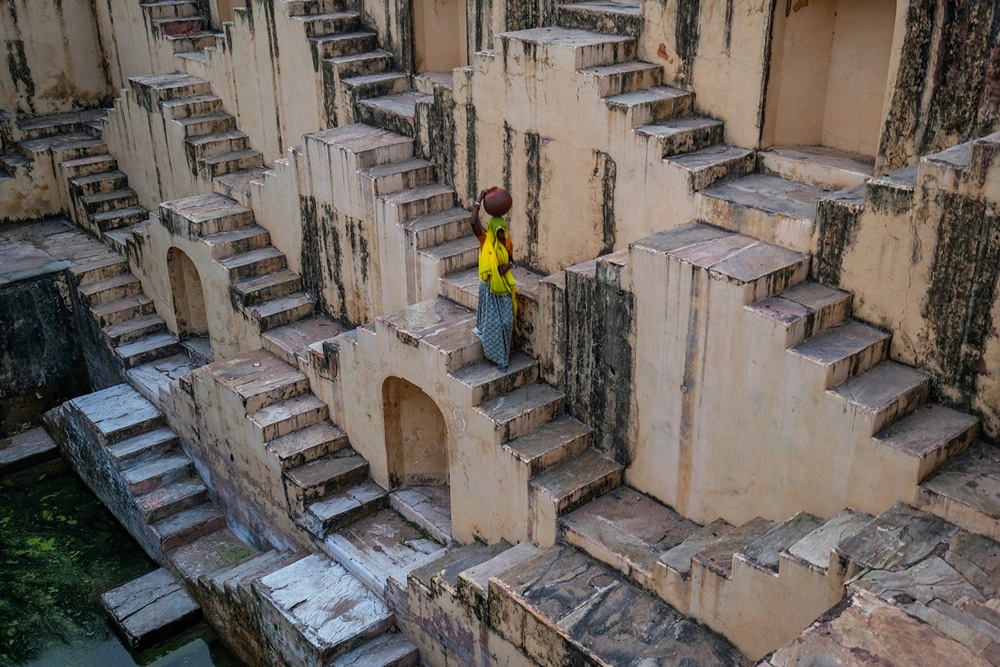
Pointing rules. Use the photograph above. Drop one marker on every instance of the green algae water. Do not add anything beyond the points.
(59, 549)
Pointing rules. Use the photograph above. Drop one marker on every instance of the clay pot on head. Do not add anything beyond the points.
(498, 202)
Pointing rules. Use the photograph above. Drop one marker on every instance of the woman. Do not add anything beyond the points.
(497, 309)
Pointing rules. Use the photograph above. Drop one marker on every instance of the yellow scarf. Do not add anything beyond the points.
(491, 256)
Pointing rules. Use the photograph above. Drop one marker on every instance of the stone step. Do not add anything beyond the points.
(928, 437)
(282, 418)
(613, 17)
(403, 175)
(966, 490)
(115, 288)
(320, 609)
(119, 218)
(391, 649)
(40, 127)
(462, 287)
(88, 166)
(714, 164)
(550, 444)
(178, 26)
(237, 241)
(381, 549)
(672, 569)
(227, 582)
(360, 64)
(150, 609)
(106, 181)
(239, 184)
(119, 239)
(26, 449)
(193, 41)
(306, 444)
(449, 257)
(518, 412)
(202, 104)
(113, 264)
(764, 552)
(323, 477)
(421, 200)
(566, 48)
(683, 135)
(895, 540)
(341, 509)
(627, 531)
(131, 330)
(316, 25)
(376, 85)
(259, 379)
(283, 310)
(146, 475)
(815, 550)
(204, 215)
(63, 147)
(334, 46)
(642, 107)
(219, 143)
(115, 200)
(426, 506)
(254, 263)
(188, 525)
(436, 228)
(147, 349)
(143, 446)
(825, 167)
(843, 352)
(766, 207)
(207, 124)
(441, 576)
(473, 583)
(485, 382)
(562, 607)
(803, 311)
(566, 486)
(882, 395)
(171, 499)
(112, 312)
(227, 163)
(270, 286)
(626, 77)
(170, 9)
(716, 558)
(291, 342)
(311, 7)
(395, 113)
(154, 89)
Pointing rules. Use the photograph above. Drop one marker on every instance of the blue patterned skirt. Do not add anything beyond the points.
(495, 324)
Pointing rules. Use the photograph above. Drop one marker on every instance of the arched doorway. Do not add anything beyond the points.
(829, 73)
(188, 295)
(416, 441)
(416, 437)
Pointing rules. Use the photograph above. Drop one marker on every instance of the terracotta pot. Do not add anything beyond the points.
(498, 202)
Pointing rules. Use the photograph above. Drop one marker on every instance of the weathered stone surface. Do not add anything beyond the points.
(549, 444)
(897, 539)
(626, 530)
(870, 630)
(344, 508)
(473, 583)
(441, 575)
(321, 610)
(717, 556)
(429, 507)
(518, 412)
(26, 449)
(679, 558)
(561, 607)
(208, 554)
(150, 608)
(815, 549)
(391, 649)
(763, 552)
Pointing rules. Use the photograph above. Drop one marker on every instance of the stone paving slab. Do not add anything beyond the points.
(26, 449)
(150, 609)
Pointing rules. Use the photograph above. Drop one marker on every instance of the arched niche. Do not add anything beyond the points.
(416, 436)
(188, 295)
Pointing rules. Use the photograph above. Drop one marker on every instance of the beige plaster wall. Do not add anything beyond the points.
(439, 35)
(54, 60)
(725, 62)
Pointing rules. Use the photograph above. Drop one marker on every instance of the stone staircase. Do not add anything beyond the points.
(179, 23)
(260, 284)
(118, 441)
(616, 17)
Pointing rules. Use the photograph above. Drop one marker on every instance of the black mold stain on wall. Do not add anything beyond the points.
(838, 225)
(20, 72)
(41, 361)
(599, 352)
(687, 34)
(471, 190)
(606, 171)
(443, 135)
(533, 177)
(948, 81)
(963, 290)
